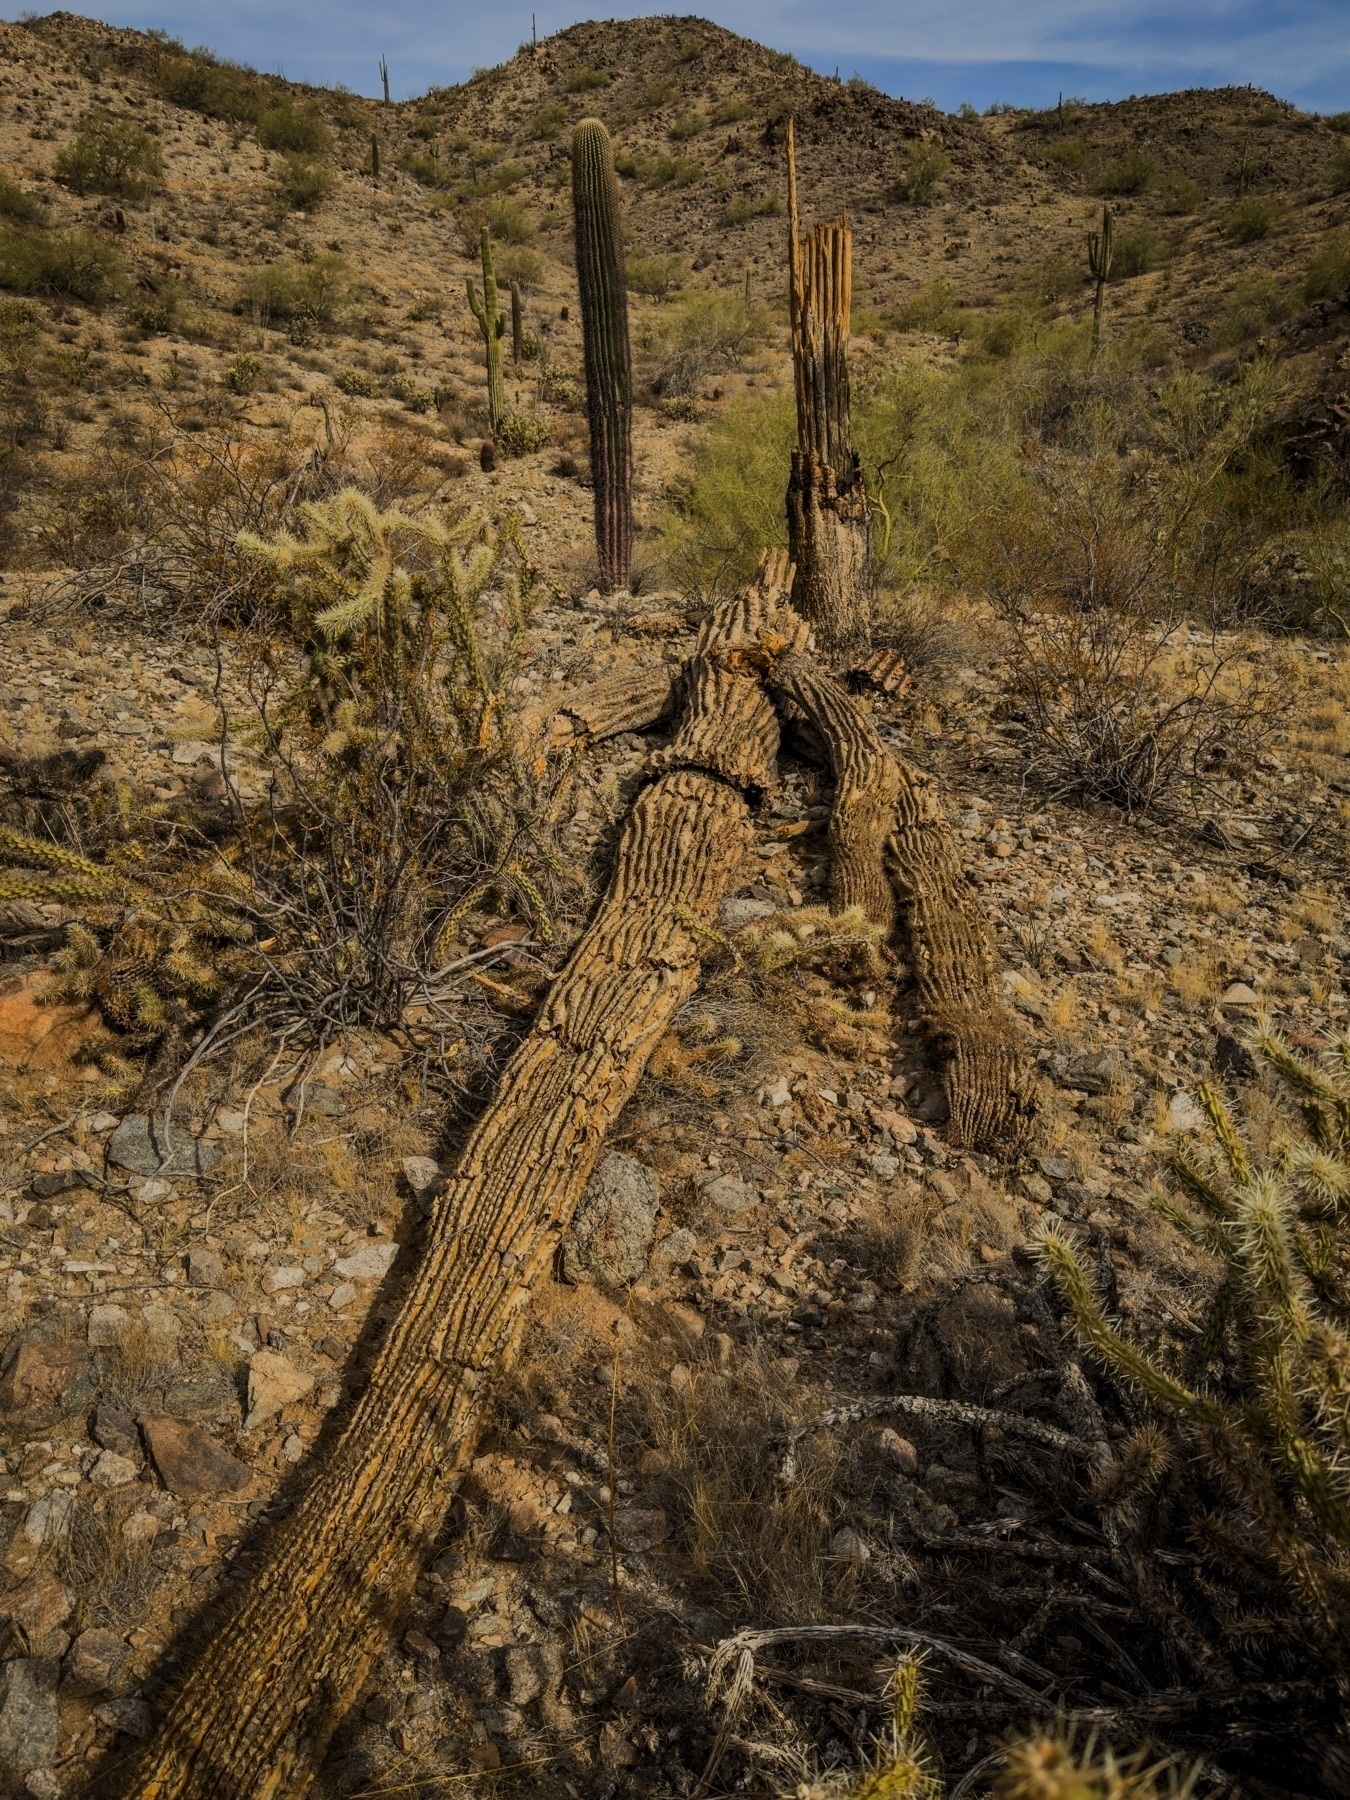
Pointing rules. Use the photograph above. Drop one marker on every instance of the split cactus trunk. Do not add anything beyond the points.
(604, 323)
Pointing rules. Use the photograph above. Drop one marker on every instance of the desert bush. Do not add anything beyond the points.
(585, 80)
(731, 500)
(659, 92)
(76, 264)
(243, 372)
(548, 122)
(221, 90)
(654, 169)
(706, 331)
(686, 125)
(109, 156)
(559, 389)
(742, 207)
(1130, 173)
(299, 130)
(923, 166)
(1070, 153)
(730, 112)
(313, 288)
(657, 276)
(1340, 170)
(934, 308)
(155, 306)
(521, 433)
(1179, 194)
(1251, 219)
(360, 384)
(303, 183)
(1136, 252)
(1051, 279)
(15, 204)
(1257, 301)
(517, 262)
(1329, 270)
(1256, 1388)
(508, 221)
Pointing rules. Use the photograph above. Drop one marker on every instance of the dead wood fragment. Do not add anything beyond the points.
(252, 1718)
(947, 1412)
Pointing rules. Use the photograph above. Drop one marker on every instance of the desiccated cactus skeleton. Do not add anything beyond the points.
(253, 1717)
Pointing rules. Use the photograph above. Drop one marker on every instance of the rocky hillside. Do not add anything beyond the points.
(798, 1365)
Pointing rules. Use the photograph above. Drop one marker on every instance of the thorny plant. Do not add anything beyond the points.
(399, 801)
(1259, 1395)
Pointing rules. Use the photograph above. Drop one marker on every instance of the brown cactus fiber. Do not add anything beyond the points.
(253, 1715)
(604, 324)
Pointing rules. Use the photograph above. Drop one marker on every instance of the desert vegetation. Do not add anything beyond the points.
(673, 852)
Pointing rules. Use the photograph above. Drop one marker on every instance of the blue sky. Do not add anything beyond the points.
(1025, 51)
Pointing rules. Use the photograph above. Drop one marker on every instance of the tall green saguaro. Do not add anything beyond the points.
(609, 367)
(1099, 264)
(492, 324)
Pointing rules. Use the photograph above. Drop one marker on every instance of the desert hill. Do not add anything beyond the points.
(802, 1362)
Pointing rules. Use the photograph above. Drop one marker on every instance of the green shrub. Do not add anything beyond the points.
(659, 92)
(243, 372)
(314, 289)
(1329, 271)
(933, 308)
(359, 384)
(705, 331)
(77, 264)
(1136, 252)
(517, 262)
(558, 389)
(221, 90)
(509, 222)
(1256, 302)
(656, 170)
(1340, 170)
(924, 166)
(302, 183)
(1131, 173)
(1179, 194)
(1005, 333)
(284, 126)
(686, 125)
(1339, 122)
(548, 122)
(742, 207)
(1070, 153)
(109, 156)
(1251, 219)
(427, 168)
(656, 276)
(155, 308)
(728, 112)
(1052, 278)
(522, 433)
(585, 79)
(15, 204)
(729, 505)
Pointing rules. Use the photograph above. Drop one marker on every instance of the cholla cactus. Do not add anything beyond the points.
(1265, 1397)
(1055, 1767)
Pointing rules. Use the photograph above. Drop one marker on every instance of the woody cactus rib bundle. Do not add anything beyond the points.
(1263, 1390)
(604, 323)
(492, 324)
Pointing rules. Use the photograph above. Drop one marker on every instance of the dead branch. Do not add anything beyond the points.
(946, 1412)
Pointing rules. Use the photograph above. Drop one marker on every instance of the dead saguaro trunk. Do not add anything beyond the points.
(887, 821)
(251, 1720)
(827, 496)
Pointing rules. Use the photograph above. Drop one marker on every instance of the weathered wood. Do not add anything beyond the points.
(828, 535)
(887, 819)
(253, 1716)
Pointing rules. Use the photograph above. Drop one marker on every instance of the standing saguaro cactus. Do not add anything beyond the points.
(492, 324)
(604, 326)
(517, 326)
(374, 158)
(1099, 263)
(384, 79)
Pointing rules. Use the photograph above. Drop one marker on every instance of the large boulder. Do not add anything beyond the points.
(612, 1230)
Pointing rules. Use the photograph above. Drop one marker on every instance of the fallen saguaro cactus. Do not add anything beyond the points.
(887, 821)
(253, 1715)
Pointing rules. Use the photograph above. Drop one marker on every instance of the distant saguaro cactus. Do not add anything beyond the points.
(1099, 263)
(374, 157)
(384, 79)
(604, 324)
(517, 326)
(492, 324)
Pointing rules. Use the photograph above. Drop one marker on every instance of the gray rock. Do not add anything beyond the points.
(139, 1145)
(728, 1192)
(113, 1429)
(1057, 1169)
(28, 1718)
(677, 1247)
(190, 1462)
(94, 1662)
(612, 1231)
(205, 1268)
(130, 1716)
(44, 1382)
(1096, 1074)
(735, 915)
